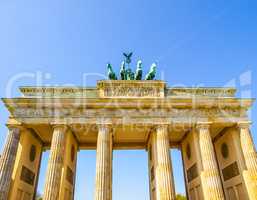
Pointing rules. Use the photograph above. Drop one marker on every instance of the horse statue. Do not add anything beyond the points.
(151, 74)
(111, 74)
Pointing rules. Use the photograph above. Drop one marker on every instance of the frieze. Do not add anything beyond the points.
(214, 92)
(132, 92)
(172, 113)
(127, 89)
(59, 92)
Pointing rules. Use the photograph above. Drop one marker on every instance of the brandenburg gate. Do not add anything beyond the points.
(209, 125)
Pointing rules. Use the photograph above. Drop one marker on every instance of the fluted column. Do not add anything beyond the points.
(250, 157)
(55, 163)
(211, 181)
(103, 184)
(163, 168)
(7, 161)
(248, 148)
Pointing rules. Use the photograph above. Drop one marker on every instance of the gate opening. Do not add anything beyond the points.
(130, 175)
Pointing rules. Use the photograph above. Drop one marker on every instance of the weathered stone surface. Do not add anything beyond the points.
(55, 164)
(7, 161)
(138, 89)
(250, 158)
(103, 182)
(164, 181)
(133, 109)
(211, 181)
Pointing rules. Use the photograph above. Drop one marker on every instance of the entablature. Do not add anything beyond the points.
(126, 89)
(132, 108)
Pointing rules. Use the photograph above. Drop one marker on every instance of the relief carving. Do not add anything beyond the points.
(89, 113)
(119, 91)
(131, 88)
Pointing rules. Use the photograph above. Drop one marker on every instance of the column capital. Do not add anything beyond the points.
(161, 126)
(203, 125)
(104, 121)
(104, 125)
(16, 127)
(62, 127)
(244, 124)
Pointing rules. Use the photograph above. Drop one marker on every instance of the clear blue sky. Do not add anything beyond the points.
(206, 43)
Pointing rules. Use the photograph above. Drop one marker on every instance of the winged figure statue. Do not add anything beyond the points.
(128, 57)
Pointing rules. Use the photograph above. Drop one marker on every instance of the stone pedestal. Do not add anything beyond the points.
(210, 178)
(164, 183)
(7, 161)
(55, 164)
(103, 184)
(250, 157)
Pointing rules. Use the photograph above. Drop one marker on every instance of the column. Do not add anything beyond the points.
(211, 182)
(7, 161)
(55, 163)
(68, 178)
(250, 157)
(248, 148)
(103, 184)
(162, 164)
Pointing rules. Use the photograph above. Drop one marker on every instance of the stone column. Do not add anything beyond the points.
(163, 168)
(103, 184)
(7, 161)
(248, 148)
(250, 157)
(210, 177)
(55, 163)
